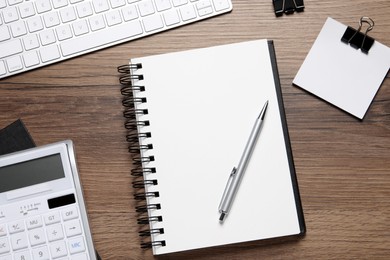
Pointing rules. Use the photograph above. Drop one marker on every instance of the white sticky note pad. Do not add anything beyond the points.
(340, 74)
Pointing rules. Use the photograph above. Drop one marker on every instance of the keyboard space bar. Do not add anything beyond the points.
(101, 38)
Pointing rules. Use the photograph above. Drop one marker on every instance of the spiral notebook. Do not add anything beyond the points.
(188, 116)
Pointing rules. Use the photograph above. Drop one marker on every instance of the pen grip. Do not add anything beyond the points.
(227, 188)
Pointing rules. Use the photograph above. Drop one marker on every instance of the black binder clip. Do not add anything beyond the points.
(357, 39)
(288, 6)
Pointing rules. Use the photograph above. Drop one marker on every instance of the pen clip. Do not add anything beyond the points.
(227, 187)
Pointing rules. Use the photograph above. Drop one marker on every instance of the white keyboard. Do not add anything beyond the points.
(35, 33)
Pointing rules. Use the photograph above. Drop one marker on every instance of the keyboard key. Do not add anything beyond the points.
(58, 249)
(49, 53)
(113, 18)
(162, 5)
(129, 13)
(14, 2)
(179, 2)
(34, 24)
(221, 5)
(31, 59)
(146, 7)
(100, 38)
(205, 11)
(64, 32)
(59, 3)
(10, 48)
(18, 28)
(80, 27)
(47, 37)
(187, 13)
(97, 22)
(26, 9)
(10, 14)
(4, 33)
(171, 17)
(117, 3)
(41, 253)
(100, 5)
(84, 9)
(3, 4)
(42, 6)
(204, 7)
(4, 245)
(67, 14)
(14, 64)
(76, 245)
(153, 22)
(51, 19)
(30, 42)
(19, 241)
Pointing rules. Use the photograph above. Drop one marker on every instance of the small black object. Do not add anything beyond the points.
(288, 6)
(357, 39)
(15, 137)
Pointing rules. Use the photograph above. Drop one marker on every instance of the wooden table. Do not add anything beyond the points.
(342, 164)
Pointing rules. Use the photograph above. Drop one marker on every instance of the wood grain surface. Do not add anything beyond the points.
(342, 164)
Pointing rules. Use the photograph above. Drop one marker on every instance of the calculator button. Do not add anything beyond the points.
(70, 213)
(79, 257)
(73, 228)
(37, 237)
(34, 222)
(76, 245)
(4, 245)
(41, 253)
(24, 255)
(54, 232)
(19, 241)
(58, 249)
(52, 218)
(15, 227)
(3, 230)
(6, 257)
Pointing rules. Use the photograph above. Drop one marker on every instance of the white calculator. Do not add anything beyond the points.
(42, 210)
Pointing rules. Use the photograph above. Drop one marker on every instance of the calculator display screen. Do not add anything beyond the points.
(31, 172)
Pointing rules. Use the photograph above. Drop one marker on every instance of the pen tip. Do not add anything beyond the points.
(222, 217)
(262, 113)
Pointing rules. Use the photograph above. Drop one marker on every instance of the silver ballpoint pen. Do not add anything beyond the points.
(237, 173)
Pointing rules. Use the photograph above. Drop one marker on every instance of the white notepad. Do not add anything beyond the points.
(340, 74)
(201, 107)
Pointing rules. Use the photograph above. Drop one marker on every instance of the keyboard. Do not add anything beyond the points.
(36, 33)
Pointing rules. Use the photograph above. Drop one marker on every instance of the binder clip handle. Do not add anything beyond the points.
(356, 38)
(288, 6)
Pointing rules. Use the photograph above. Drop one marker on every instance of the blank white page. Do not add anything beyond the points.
(202, 105)
(340, 74)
